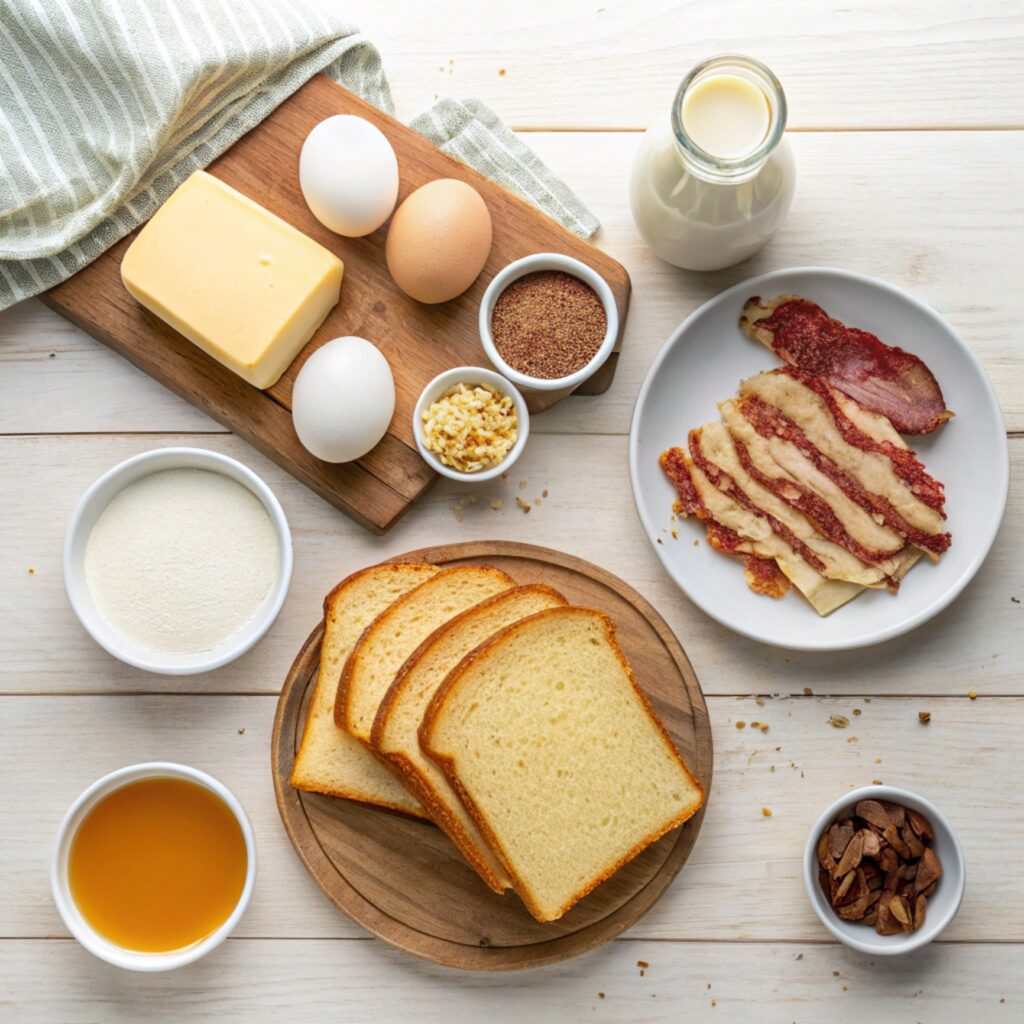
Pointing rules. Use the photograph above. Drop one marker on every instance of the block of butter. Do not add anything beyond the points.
(236, 280)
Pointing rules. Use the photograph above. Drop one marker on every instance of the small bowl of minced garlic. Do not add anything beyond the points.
(470, 424)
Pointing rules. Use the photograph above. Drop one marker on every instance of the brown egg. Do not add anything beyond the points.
(439, 240)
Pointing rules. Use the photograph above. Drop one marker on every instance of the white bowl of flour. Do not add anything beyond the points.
(177, 561)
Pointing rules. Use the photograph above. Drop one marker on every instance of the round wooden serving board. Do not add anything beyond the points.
(404, 881)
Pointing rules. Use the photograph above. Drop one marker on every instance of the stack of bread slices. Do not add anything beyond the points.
(501, 713)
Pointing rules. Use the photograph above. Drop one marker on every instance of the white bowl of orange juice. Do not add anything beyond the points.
(154, 866)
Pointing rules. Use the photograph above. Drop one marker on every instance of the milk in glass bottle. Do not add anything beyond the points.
(711, 184)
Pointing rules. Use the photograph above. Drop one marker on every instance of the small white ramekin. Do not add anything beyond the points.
(529, 265)
(470, 375)
(942, 904)
(101, 946)
(91, 506)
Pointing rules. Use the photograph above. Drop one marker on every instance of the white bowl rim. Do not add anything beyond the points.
(104, 948)
(468, 375)
(549, 261)
(1001, 462)
(76, 588)
(884, 945)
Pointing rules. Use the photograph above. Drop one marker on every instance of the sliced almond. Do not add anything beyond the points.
(900, 910)
(825, 859)
(839, 836)
(856, 910)
(877, 867)
(895, 840)
(885, 923)
(920, 824)
(856, 891)
(897, 812)
(844, 887)
(914, 844)
(874, 813)
(872, 845)
(919, 905)
(929, 870)
(908, 872)
(888, 862)
(851, 855)
(892, 881)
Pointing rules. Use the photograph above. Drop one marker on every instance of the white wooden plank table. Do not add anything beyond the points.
(908, 126)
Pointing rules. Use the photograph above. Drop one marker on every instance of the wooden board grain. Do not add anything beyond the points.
(405, 882)
(419, 341)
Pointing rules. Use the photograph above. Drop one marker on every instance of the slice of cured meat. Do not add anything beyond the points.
(849, 431)
(765, 577)
(676, 464)
(884, 478)
(794, 475)
(734, 529)
(881, 377)
(712, 448)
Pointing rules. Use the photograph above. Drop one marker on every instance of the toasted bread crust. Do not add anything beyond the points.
(447, 822)
(414, 779)
(366, 799)
(447, 764)
(298, 778)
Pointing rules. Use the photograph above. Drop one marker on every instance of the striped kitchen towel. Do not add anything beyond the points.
(106, 106)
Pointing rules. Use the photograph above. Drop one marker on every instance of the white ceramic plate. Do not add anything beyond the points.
(704, 361)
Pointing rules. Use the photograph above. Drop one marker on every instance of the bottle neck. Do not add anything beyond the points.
(732, 169)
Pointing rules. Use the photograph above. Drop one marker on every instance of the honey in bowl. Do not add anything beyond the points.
(158, 865)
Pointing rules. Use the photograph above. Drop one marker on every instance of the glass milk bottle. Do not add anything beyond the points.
(711, 184)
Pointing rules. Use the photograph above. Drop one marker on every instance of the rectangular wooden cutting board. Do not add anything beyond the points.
(419, 341)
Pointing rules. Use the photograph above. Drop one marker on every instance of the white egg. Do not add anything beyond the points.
(343, 399)
(349, 175)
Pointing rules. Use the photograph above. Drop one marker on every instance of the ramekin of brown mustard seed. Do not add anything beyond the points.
(545, 323)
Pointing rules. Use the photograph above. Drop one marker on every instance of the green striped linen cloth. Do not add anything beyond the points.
(106, 106)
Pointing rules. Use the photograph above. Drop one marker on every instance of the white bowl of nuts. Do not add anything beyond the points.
(470, 424)
(548, 321)
(884, 870)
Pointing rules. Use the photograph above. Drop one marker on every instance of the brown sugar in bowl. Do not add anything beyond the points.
(565, 341)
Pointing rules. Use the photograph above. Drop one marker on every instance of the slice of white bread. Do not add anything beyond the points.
(330, 760)
(558, 756)
(385, 644)
(396, 728)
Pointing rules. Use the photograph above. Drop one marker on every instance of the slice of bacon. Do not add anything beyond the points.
(763, 575)
(905, 463)
(769, 422)
(725, 483)
(673, 462)
(817, 510)
(882, 378)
